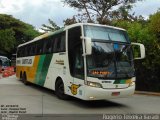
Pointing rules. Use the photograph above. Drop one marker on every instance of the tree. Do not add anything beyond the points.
(155, 24)
(147, 33)
(70, 21)
(51, 27)
(101, 11)
(7, 39)
(14, 32)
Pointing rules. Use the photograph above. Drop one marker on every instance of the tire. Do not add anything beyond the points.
(24, 79)
(59, 90)
(21, 77)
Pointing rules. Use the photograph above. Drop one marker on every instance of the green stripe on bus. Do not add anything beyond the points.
(39, 69)
(119, 82)
(123, 82)
(116, 81)
(44, 70)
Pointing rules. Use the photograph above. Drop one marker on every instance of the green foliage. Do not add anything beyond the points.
(148, 33)
(102, 11)
(70, 21)
(7, 39)
(155, 23)
(14, 32)
(51, 27)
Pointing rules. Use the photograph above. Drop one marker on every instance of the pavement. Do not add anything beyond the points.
(37, 100)
(8, 81)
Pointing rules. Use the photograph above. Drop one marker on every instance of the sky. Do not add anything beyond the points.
(37, 12)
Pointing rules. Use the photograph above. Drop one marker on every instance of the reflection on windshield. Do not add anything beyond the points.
(110, 60)
(105, 33)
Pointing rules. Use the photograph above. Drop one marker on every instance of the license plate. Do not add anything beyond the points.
(115, 93)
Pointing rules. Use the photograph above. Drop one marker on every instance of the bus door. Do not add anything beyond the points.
(76, 62)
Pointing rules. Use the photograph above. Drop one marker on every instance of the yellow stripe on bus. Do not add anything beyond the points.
(32, 71)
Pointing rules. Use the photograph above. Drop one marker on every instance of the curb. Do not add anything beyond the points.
(147, 93)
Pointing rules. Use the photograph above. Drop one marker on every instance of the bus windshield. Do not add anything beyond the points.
(5, 62)
(111, 61)
(105, 33)
(112, 56)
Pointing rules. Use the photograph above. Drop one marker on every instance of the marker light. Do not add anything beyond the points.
(91, 97)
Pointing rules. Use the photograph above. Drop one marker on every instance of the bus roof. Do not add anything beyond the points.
(65, 28)
(3, 57)
(92, 24)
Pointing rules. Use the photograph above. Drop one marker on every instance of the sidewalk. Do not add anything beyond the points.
(147, 93)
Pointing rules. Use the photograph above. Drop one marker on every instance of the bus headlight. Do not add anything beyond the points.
(132, 83)
(94, 84)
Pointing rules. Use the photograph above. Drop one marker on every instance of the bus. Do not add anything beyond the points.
(84, 60)
(4, 62)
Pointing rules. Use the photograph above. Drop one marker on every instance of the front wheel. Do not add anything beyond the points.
(59, 90)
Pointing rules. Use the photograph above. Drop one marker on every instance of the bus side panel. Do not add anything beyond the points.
(18, 72)
(28, 67)
(32, 70)
(39, 69)
(57, 68)
(42, 69)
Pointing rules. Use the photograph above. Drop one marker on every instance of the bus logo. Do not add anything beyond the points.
(74, 88)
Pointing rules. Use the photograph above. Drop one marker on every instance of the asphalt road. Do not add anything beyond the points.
(33, 99)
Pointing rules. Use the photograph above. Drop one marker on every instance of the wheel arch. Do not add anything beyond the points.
(57, 79)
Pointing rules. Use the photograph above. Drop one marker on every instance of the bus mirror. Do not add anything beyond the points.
(88, 42)
(139, 51)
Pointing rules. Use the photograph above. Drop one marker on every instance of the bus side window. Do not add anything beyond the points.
(18, 52)
(55, 46)
(32, 49)
(63, 39)
(47, 46)
(27, 49)
(22, 51)
(52, 39)
(39, 50)
(59, 44)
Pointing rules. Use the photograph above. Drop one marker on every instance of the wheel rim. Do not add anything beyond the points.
(61, 89)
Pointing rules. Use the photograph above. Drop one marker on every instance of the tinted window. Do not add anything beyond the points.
(32, 50)
(75, 52)
(59, 43)
(55, 43)
(47, 48)
(62, 46)
(39, 45)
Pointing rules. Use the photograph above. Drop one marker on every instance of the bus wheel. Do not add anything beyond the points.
(24, 79)
(59, 90)
(21, 77)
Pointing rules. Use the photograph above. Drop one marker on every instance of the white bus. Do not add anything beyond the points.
(5, 62)
(83, 60)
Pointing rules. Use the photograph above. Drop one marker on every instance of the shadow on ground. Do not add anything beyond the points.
(78, 102)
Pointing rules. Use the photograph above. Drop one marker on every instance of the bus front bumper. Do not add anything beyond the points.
(92, 93)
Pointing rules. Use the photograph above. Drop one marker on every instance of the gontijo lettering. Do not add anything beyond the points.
(26, 61)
